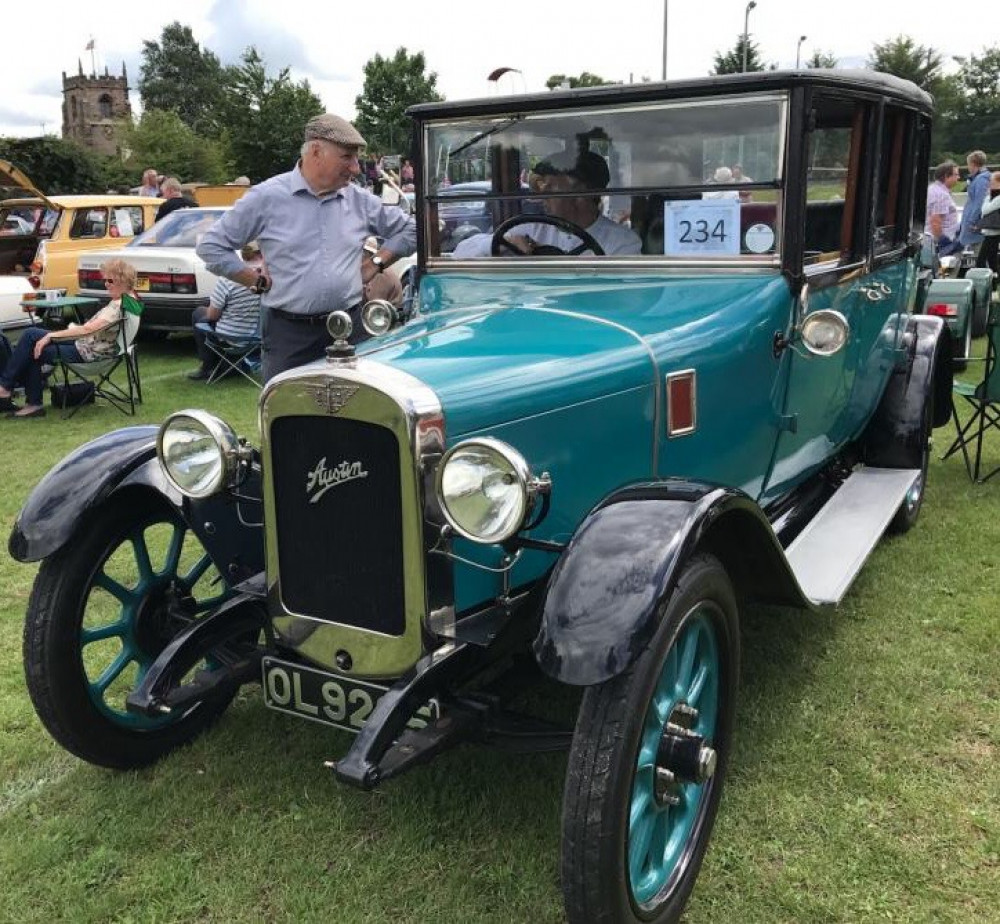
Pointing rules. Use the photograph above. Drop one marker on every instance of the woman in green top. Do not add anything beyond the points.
(96, 339)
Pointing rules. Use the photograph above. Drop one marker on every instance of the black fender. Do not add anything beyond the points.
(125, 459)
(894, 437)
(606, 592)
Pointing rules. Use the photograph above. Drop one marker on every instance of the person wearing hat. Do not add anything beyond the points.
(586, 172)
(311, 224)
(233, 312)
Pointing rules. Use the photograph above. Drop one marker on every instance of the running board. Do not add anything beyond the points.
(828, 554)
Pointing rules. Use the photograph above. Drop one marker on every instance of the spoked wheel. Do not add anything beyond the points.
(648, 758)
(101, 610)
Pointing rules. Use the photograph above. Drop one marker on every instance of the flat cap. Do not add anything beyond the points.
(330, 127)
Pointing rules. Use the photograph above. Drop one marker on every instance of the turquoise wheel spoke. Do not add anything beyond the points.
(141, 553)
(100, 633)
(113, 670)
(197, 570)
(174, 550)
(642, 800)
(122, 594)
(688, 642)
(639, 840)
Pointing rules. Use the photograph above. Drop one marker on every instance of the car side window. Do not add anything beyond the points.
(894, 190)
(833, 181)
(89, 223)
(126, 221)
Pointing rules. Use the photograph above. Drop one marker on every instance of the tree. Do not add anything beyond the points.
(163, 140)
(731, 62)
(391, 85)
(264, 117)
(176, 75)
(586, 79)
(54, 165)
(976, 121)
(903, 58)
(822, 59)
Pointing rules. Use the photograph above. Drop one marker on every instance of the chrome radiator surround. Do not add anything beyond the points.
(370, 392)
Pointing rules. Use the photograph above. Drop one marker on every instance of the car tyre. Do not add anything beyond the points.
(628, 855)
(906, 517)
(100, 611)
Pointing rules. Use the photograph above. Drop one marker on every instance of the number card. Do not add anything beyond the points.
(702, 227)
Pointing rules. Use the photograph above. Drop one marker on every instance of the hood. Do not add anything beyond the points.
(11, 176)
(502, 348)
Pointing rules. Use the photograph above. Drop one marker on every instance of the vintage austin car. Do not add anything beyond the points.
(595, 460)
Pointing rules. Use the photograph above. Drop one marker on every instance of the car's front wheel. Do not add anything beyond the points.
(648, 759)
(101, 610)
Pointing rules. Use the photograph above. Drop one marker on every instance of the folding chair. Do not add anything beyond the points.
(98, 372)
(233, 354)
(984, 399)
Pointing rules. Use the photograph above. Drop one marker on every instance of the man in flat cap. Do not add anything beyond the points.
(310, 224)
(585, 173)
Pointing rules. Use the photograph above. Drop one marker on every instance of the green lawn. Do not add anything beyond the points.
(865, 785)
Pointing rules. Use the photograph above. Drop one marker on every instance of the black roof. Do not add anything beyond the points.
(855, 81)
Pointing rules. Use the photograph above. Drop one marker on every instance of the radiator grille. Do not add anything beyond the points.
(339, 521)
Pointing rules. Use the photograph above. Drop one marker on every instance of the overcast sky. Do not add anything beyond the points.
(329, 43)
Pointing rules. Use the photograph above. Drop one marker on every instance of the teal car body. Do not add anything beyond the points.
(645, 391)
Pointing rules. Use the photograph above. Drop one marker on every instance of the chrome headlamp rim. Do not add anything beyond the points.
(378, 305)
(834, 321)
(227, 442)
(527, 484)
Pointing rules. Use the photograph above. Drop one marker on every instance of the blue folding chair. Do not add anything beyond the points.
(233, 354)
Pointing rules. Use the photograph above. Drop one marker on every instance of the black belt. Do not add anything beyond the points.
(300, 318)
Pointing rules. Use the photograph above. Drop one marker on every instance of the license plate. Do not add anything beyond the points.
(142, 284)
(327, 698)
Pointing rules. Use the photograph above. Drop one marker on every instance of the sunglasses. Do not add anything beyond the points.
(111, 282)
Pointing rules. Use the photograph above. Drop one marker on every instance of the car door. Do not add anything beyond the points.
(828, 399)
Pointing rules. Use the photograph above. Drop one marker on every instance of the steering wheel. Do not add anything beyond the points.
(500, 244)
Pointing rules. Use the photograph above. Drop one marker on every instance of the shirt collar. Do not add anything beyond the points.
(299, 184)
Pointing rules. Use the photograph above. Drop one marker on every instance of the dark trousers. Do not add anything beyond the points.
(987, 255)
(204, 315)
(287, 343)
(24, 369)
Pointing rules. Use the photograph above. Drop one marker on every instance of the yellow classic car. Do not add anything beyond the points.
(42, 237)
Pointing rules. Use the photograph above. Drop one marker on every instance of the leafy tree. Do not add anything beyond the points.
(391, 85)
(586, 79)
(731, 62)
(822, 59)
(178, 76)
(922, 65)
(162, 139)
(55, 165)
(976, 120)
(903, 58)
(264, 117)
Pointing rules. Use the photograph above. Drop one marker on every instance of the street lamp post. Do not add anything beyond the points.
(798, 50)
(665, 4)
(746, 32)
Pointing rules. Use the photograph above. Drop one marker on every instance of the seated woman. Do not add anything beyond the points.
(37, 346)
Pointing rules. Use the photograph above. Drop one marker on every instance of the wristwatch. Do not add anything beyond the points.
(378, 263)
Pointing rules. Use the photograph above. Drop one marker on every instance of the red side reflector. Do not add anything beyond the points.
(943, 310)
(681, 397)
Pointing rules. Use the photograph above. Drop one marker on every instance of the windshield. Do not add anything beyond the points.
(183, 228)
(689, 179)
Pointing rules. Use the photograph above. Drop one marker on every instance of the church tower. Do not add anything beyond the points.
(91, 106)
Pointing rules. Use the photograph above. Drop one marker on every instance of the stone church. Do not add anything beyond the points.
(91, 107)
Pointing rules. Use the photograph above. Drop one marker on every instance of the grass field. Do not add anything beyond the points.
(865, 784)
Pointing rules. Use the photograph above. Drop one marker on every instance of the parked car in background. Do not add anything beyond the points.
(171, 279)
(592, 461)
(42, 237)
(13, 290)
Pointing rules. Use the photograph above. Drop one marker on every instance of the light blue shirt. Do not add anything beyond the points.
(311, 244)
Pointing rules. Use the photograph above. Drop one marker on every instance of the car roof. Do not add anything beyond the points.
(82, 201)
(859, 81)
